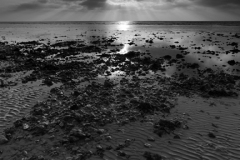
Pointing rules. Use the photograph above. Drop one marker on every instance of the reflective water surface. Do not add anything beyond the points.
(207, 44)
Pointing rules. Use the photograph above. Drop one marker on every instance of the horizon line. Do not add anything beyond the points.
(125, 21)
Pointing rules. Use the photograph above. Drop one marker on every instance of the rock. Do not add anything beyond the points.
(217, 117)
(3, 140)
(147, 145)
(100, 131)
(109, 138)
(127, 142)
(145, 107)
(77, 132)
(165, 126)
(231, 62)
(151, 139)
(152, 156)
(99, 147)
(179, 56)
(25, 126)
(121, 154)
(108, 83)
(176, 137)
(167, 57)
(222, 93)
(75, 107)
(211, 135)
(120, 146)
(132, 54)
(34, 157)
(214, 125)
(39, 130)
(3, 83)
(48, 82)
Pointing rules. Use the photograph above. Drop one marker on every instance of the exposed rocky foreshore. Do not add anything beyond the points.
(98, 90)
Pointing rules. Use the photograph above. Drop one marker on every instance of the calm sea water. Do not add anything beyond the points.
(25, 31)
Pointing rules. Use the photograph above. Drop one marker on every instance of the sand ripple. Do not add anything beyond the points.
(16, 102)
(219, 116)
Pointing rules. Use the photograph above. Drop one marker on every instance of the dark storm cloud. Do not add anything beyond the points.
(223, 5)
(42, 1)
(89, 4)
(34, 5)
(208, 3)
(72, 0)
(92, 4)
(27, 6)
(218, 3)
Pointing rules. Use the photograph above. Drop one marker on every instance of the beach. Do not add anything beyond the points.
(119, 90)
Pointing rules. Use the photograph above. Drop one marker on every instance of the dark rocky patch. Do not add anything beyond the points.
(166, 126)
(152, 156)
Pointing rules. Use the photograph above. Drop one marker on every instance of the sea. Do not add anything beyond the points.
(27, 31)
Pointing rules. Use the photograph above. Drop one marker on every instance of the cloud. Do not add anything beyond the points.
(34, 5)
(42, 1)
(218, 3)
(92, 4)
(27, 6)
(114, 4)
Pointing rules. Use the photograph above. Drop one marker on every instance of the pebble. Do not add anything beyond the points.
(147, 145)
(211, 135)
(3, 139)
(151, 139)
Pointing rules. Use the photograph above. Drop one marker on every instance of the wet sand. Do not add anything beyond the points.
(124, 94)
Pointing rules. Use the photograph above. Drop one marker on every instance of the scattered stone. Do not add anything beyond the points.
(147, 145)
(211, 135)
(3, 140)
(179, 56)
(231, 62)
(177, 137)
(151, 139)
(121, 154)
(152, 156)
(166, 126)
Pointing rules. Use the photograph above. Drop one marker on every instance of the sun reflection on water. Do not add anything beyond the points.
(124, 50)
(124, 25)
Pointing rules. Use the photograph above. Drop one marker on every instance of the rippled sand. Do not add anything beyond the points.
(16, 102)
(219, 116)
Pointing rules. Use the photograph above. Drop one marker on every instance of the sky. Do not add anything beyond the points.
(119, 10)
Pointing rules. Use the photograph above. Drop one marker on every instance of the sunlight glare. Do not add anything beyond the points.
(124, 50)
(123, 26)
